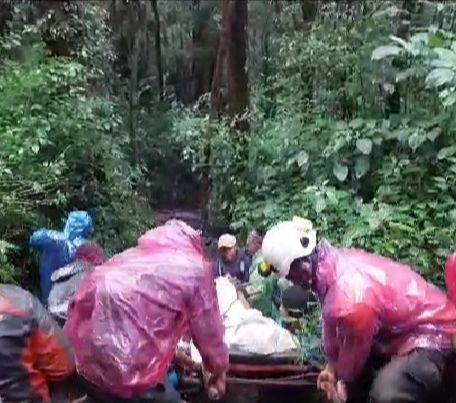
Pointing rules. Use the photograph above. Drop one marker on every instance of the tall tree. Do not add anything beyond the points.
(230, 82)
(217, 90)
(309, 9)
(238, 92)
(130, 20)
(158, 53)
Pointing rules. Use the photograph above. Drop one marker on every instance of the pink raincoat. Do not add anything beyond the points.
(372, 304)
(450, 276)
(129, 313)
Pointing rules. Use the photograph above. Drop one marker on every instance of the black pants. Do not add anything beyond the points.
(418, 377)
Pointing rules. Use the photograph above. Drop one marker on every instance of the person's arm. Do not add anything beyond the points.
(45, 238)
(216, 269)
(52, 350)
(248, 263)
(330, 347)
(207, 329)
(355, 333)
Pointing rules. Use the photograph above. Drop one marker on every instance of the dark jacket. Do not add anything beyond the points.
(238, 269)
(33, 349)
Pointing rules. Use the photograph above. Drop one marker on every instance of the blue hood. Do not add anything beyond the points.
(78, 224)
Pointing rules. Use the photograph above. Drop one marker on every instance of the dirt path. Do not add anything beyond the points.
(192, 217)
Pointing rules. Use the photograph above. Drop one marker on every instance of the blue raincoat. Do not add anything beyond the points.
(58, 247)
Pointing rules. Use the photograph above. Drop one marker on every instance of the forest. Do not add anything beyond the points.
(248, 111)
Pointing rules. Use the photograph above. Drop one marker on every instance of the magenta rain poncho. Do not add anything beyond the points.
(372, 304)
(129, 313)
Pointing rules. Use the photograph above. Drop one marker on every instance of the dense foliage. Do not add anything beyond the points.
(63, 144)
(109, 106)
(351, 126)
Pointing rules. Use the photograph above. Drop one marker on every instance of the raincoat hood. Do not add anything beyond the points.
(78, 224)
(175, 234)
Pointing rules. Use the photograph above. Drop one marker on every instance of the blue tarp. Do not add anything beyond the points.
(58, 247)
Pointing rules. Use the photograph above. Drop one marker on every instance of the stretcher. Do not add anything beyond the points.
(269, 377)
(276, 377)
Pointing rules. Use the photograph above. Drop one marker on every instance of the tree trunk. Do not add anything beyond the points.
(230, 73)
(238, 92)
(217, 96)
(158, 53)
(231, 61)
(133, 92)
(139, 15)
(309, 10)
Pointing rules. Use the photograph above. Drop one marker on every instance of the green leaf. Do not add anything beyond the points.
(434, 133)
(416, 140)
(446, 152)
(362, 166)
(446, 58)
(434, 40)
(406, 74)
(320, 204)
(398, 40)
(35, 148)
(378, 141)
(449, 99)
(357, 123)
(388, 88)
(302, 158)
(383, 52)
(364, 146)
(340, 171)
(438, 77)
(36, 107)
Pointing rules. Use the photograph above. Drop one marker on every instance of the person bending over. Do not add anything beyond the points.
(129, 313)
(378, 314)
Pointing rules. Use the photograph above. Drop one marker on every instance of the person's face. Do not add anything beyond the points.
(228, 254)
(301, 272)
(253, 242)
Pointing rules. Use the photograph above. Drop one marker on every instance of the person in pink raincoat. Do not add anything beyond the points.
(129, 313)
(450, 276)
(382, 322)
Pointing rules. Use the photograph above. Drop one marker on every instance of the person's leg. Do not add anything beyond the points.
(414, 378)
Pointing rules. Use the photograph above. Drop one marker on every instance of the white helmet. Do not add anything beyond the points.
(288, 241)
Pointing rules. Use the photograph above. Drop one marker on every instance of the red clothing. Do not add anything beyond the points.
(372, 304)
(450, 276)
(129, 313)
(33, 349)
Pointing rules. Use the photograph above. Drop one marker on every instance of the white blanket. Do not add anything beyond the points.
(247, 330)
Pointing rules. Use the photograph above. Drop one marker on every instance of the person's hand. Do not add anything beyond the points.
(334, 390)
(185, 361)
(330, 391)
(327, 376)
(215, 385)
(341, 389)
